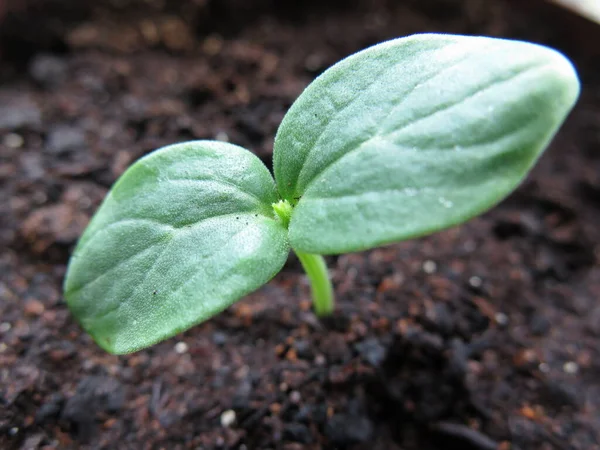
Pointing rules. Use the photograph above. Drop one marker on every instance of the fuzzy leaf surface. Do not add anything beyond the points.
(184, 233)
(415, 135)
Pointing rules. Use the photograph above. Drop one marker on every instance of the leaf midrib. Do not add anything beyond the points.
(365, 92)
(444, 108)
(185, 229)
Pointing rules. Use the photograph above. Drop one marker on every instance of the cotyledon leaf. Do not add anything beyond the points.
(415, 135)
(184, 233)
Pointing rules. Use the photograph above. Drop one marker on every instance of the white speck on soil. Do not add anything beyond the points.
(429, 266)
(228, 418)
(501, 318)
(181, 348)
(475, 282)
(13, 140)
(571, 367)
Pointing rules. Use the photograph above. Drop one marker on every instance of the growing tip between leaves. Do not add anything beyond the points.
(283, 211)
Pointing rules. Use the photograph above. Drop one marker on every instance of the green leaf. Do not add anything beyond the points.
(184, 233)
(415, 135)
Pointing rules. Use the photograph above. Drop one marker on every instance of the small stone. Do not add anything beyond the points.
(222, 136)
(335, 347)
(241, 396)
(593, 320)
(303, 348)
(475, 282)
(5, 327)
(562, 394)
(544, 367)
(501, 319)
(526, 358)
(181, 348)
(571, 367)
(429, 267)
(47, 70)
(345, 430)
(219, 338)
(295, 397)
(314, 62)
(275, 408)
(19, 112)
(50, 409)
(459, 358)
(65, 138)
(61, 350)
(13, 140)
(372, 351)
(228, 418)
(212, 45)
(539, 325)
(291, 355)
(34, 308)
(94, 395)
(441, 316)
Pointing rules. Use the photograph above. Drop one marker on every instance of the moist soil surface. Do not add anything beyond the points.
(485, 336)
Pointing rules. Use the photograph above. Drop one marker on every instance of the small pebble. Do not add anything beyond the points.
(539, 325)
(571, 367)
(501, 318)
(295, 397)
(228, 418)
(429, 266)
(320, 360)
(213, 44)
(13, 140)
(219, 338)
(65, 138)
(222, 136)
(372, 351)
(23, 112)
(544, 367)
(313, 62)
(344, 430)
(475, 282)
(48, 70)
(5, 327)
(181, 348)
(34, 308)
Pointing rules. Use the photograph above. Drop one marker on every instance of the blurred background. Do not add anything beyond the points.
(482, 337)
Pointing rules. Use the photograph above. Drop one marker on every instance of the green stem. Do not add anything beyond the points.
(322, 292)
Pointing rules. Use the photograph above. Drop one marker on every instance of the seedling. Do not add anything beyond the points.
(400, 140)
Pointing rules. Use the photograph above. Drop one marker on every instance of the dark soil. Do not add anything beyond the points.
(486, 336)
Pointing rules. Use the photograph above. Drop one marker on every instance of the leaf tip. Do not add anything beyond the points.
(564, 75)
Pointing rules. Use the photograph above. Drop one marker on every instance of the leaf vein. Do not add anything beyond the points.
(331, 163)
(218, 181)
